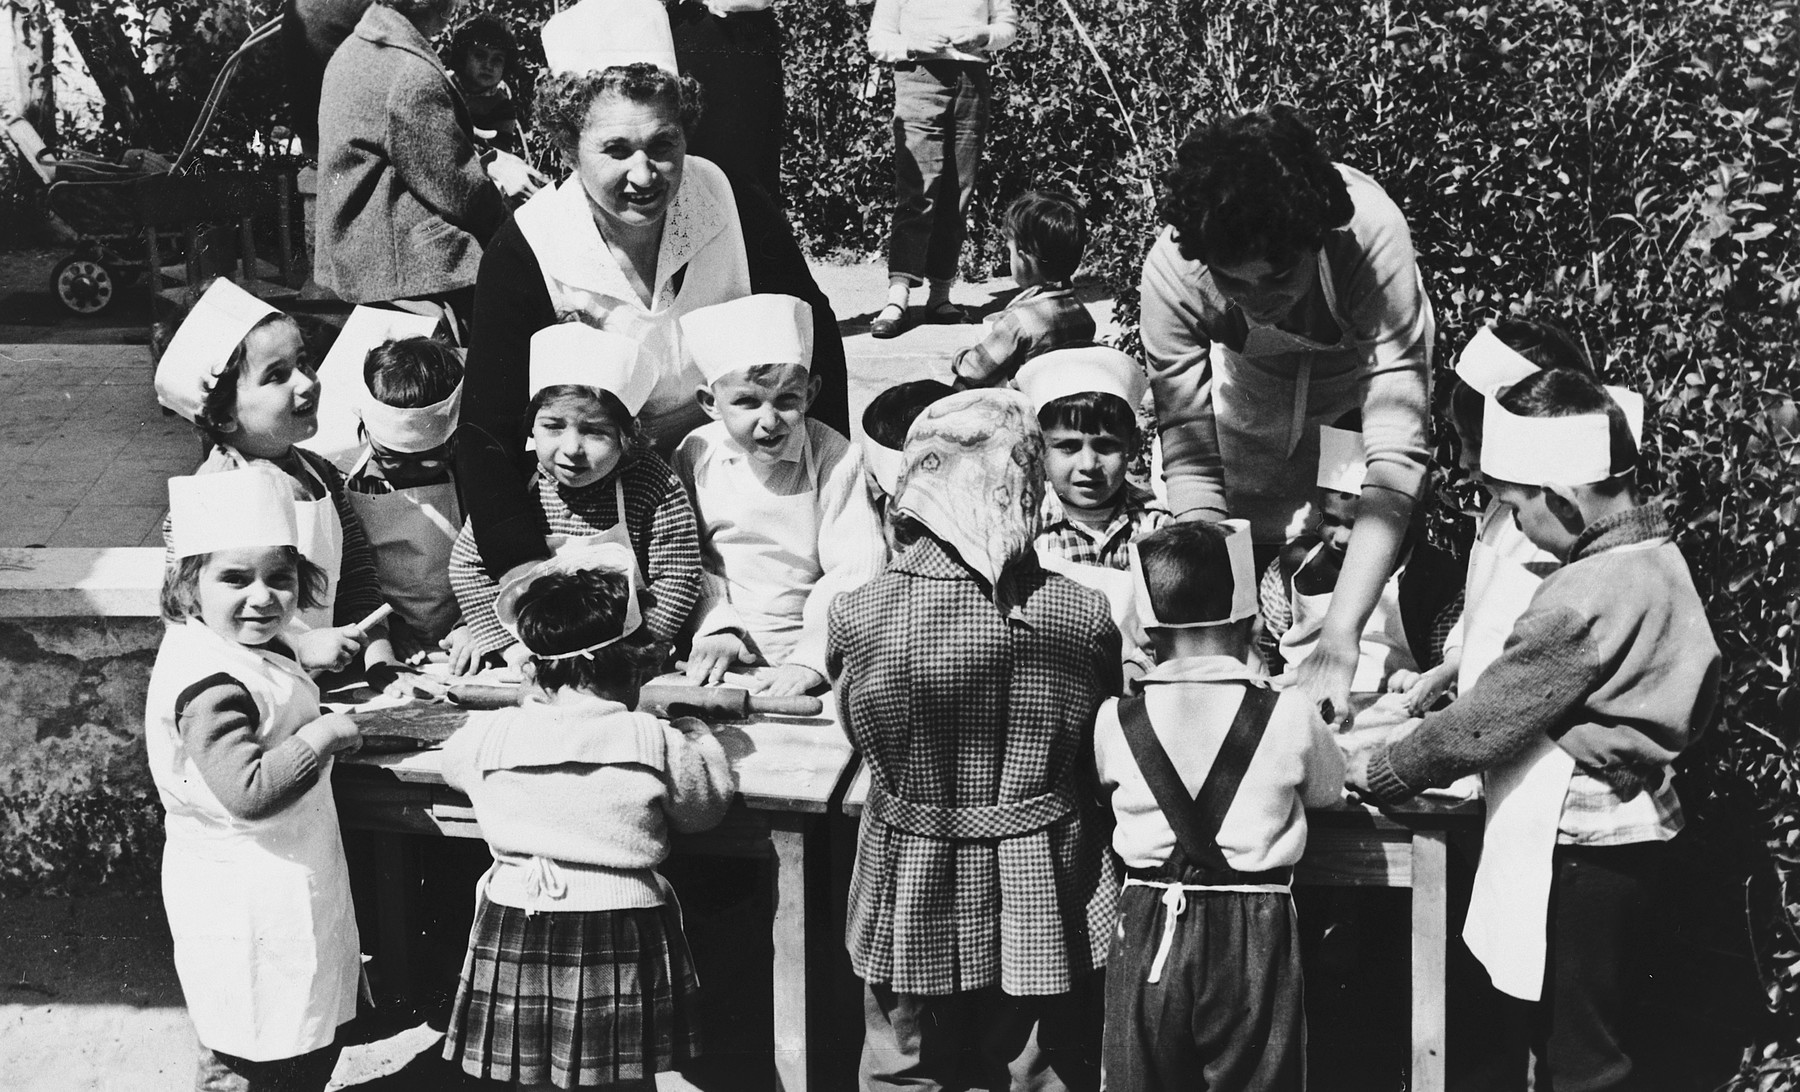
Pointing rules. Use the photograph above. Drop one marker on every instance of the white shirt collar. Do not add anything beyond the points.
(559, 224)
(1202, 669)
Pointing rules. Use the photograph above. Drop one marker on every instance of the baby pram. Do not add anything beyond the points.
(140, 200)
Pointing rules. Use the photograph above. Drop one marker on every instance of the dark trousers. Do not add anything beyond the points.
(940, 125)
(1608, 926)
(311, 1072)
(737, 59)
(1227, 1010)
(1025, 1044)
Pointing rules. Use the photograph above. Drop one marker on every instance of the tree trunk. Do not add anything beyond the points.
(132, 100)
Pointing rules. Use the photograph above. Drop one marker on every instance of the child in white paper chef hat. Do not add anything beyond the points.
(598, 479)
(1086, 401)
(885, 423)
(254, 880)
(1297, 585)
(1610, 673)
(785, 521)
(1211, 905)
(402, 483)
(242, 373)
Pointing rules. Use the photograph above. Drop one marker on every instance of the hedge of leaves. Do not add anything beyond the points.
(1623, 167)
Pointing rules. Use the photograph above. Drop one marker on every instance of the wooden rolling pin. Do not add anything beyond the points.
(485, 695)
(720, 702)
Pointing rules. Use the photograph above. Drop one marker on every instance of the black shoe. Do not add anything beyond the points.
(946, 314)
(892, 322)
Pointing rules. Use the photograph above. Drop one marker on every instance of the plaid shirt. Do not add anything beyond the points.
(1138, 515)
(961, 709)
(1039, 319)
(663, 535)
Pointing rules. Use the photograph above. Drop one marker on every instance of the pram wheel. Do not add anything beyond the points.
(82, 284)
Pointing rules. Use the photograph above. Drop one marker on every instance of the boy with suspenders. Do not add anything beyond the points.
(1210, 773)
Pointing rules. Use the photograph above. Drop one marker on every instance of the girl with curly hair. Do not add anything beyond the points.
(1283, 294)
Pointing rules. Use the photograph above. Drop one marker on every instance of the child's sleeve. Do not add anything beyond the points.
(1547, 669)
(996, 357)
(217, 719)
(851, 551)
(671, 554)
(698, 776)
(359, 583)
(476, 593)
(837, 648)
(1323, 783)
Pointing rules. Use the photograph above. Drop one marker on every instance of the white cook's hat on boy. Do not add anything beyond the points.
(599, 34)
(1343, 464)
(607, 556)
(576, 354)
(1244, 601)
(250, 507)
(203, 345)
(1488, 366)
(750, 330)
(405, 430)
(1097, 368)
(1545, 450)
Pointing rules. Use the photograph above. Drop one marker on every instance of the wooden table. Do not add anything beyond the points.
(789, 771)
(1355, 845)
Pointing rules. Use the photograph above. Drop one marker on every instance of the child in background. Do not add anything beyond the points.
(1209, 773)
(577, 972)
(401, 484)
(1086, 402)
(598, 479)
(968, 677)
(885, 423)
(483, 53)
(939, 52)
(785, 521)
(241, 372)
(1045, 237)
(1614, 662)
(253, 874)
(1297, 586)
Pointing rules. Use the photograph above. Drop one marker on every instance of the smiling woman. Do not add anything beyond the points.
(638, 235)
(1285, 293)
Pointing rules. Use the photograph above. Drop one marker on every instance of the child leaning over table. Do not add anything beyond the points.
(968, 677)
(1210, 773)
(578, 973)
(784, 517)
(242, 373)
(1608, 675)
(402, 484)
(1045, 236)
(253, 875)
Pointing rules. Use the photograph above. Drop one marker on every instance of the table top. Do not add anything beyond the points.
(782, 763)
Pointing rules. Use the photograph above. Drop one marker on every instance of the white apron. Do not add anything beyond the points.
(322, 543)
(1509, 905)
(1269, 400)
(619, 532)
(768, 546)
(265, 936)
(411, 532)
(1384, 647)
(1116, 585)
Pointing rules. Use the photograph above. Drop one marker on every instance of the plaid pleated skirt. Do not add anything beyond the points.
(579, 999)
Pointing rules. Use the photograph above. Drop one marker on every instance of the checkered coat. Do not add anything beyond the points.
(976, 723)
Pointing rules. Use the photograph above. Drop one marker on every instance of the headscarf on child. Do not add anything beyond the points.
(974, 476)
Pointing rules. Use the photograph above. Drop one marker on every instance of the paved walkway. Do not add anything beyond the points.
(86, 452)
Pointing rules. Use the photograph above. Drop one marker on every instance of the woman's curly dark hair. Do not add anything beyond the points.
(1259, 185)
(565, 99)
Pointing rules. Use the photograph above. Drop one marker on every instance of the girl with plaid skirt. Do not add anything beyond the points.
(578, 974)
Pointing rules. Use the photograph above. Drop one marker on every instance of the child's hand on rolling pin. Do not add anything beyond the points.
(1356, 770)
(331, 733)
(691, 726)
(1423, 690)
(791, 679)
(713, 655)
(464, 656)
(326, 649)
(516, 656)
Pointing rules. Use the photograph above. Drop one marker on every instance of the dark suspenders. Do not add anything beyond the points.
(1196, 821)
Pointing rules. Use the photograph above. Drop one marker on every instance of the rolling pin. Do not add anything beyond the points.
(721, 702)
(485, 695)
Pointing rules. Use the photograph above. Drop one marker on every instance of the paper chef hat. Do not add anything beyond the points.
(595, 35)
(750, 330)
(203, 345)
(1487, 364)
(1542, 450)
(407, 430)
(1631, 403)
(607, 556)
(252, 506)
(1062, 372)
(1243, 581)
(577, 354)
(1342, 462)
